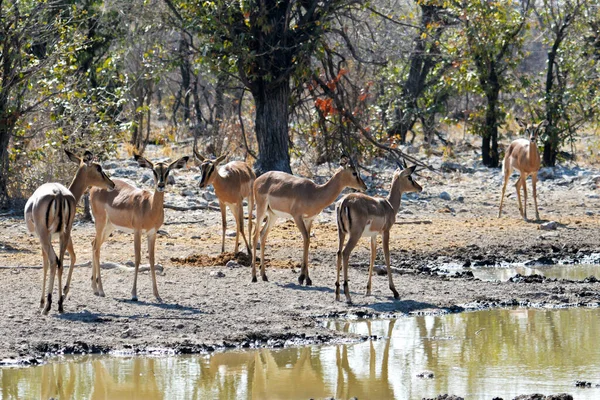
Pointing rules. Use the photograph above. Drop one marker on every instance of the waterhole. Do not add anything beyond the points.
(477, 355)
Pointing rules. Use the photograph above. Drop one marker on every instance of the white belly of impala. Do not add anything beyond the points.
(367, 232)
(281, 214)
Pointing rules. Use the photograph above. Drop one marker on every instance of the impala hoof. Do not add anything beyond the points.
(301, 279)
(134, 298)
(65, 291)
(265, 279)
(254, 280)
(308, 281)
(396, 296)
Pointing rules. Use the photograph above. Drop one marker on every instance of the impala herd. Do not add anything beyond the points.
(115, 203)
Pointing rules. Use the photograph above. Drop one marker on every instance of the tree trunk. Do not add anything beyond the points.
(5, 133)
(272, 110)
(550, 153)
(489, 139)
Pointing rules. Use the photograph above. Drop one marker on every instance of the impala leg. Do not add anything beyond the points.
(250, 208)
(45, 258)
(352, 242)
(308, 224)
(534, 185)
(137, 245)
(506, 178)
(260, 216)
(151, 249)
(53, 261)
(306, 242)
(341, 238)
(271, 219)
(240, 224)
(373, 254)
(71, 267)
(64, 241)
(223, 208)
(518, 187)
(105, 235)
(524, 184)
(386, 252)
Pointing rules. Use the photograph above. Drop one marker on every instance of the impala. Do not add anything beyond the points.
(233, 183)
(523, 155)
(361, 215)
(50, 212)
(131, 209)
(278, 194)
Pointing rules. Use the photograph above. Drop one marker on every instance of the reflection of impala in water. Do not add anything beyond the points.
(140, 384)
(349, 384)
(289, 373)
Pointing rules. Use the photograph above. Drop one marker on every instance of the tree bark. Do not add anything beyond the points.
(5, 133)
(271, 121)
(489, 139)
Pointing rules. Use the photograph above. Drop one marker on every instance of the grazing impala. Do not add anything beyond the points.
(50, 211)
(523, 155)
(278, 194)
(131, 209)
(233, 183)
(361, 215)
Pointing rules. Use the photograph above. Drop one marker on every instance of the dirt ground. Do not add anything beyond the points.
(208, 305)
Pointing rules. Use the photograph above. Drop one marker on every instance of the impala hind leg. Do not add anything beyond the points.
(72, 259)
(250, 210)
(53, 261)
(507, 172)
(261, 211)
(306, 243)
(223, 208)
(271, 219)
(341, 238)
(534, 185)
(372, 262)
(64, 242)
(386, 252)
(352, 242)
(45, 258)
(239, 220)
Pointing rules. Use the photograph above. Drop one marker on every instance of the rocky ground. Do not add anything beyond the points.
(210, 303)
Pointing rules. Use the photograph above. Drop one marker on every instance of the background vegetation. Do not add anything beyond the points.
(274, 79)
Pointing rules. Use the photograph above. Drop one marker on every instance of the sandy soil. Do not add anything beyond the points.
(207, 306)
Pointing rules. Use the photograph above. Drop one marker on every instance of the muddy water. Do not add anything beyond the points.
(571, 272)
(476, 355)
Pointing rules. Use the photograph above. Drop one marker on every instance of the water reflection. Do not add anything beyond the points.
(475, 355)
(572, 272)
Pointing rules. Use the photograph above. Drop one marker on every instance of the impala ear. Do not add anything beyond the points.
(88, 157)
(220, 159)
(73, 157)
(345, 161)
(179, 163)
(142, 162)
(408, 171)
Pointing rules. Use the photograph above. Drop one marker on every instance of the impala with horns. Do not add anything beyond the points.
(523, 155)
(233, 183)
(360, 215)
(132, 210)
(50, 211)
(278, 194)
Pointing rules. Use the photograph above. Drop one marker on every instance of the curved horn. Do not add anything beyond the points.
(196, 154)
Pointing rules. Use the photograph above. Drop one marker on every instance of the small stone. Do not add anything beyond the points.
(208, 196)
(460, 199)
(445, 196)
(232, 264)
(217, 274)
(179, 326)
(380, 270)
(549, 226)
(230, 233)
(589, 213)
(187, 193)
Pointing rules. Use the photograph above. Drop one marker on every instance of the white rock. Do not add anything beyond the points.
(549, 226)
